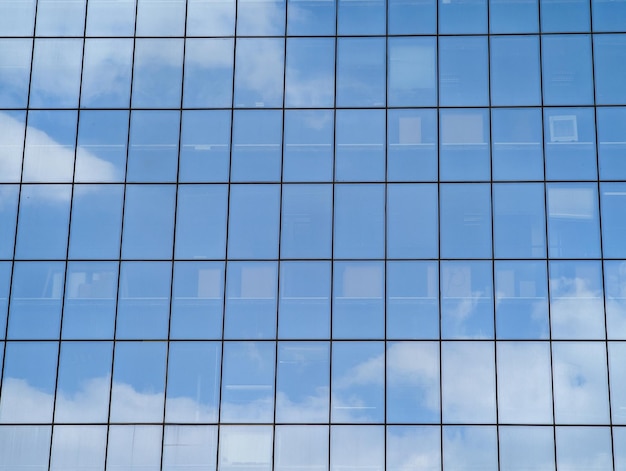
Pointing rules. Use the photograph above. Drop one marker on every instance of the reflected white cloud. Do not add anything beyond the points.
(577, 310)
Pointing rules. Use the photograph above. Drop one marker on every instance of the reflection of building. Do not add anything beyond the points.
(312, 235)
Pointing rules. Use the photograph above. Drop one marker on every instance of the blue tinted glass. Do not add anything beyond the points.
(250, 300)
(412, 300)
(199, 443)
(465, 220)
(106, 18)
(253, 223)
(201, 221)
(260, 17)
(463, 71)
(311, 17)
(43, 221)
(90, 293)
(257, 139)
(412, 72)
(259, 73)
(608, 15)
(615, 292)
(412, 382)
(412, 17)
(354, 398)
(138, 383)
(17, 18)
(158, 66)
(530, 447)
(618, 382)
(521, 300)
(570, 143)
(306, 221)
(198, 300)
(134, 447)
(515, 75)
(13, 453)
(210, 18)
(466, 300)
(513, 16)
(610, 68)
(148, 221)
(559, 16)
(102, 142)
(517, 150)
(304, 306)
(462, 17)
(359, 229)
(288, 447)
(106, 73)
(360, 145)
(519, 220)
(5, 281)
(15, 57)
(358, 300)
(408, 443)
(584, 447)
(360, 72)
(310, 75)
(573, 223)
(13, 127)
(411, 145)
(464, 151)
(69, 445)
(613, 199)
(83, 382)
(60, 18)
(248, 382)
(357, 447)
(235, 450)
(208, 73)
(412, 221)
(36, 300)
(367, 17)
(55, 80)
(143, 300)
(156, 18)
(611, 142)
(193, 382)
(205, 146)
(8, 218)
(96, 221)
(566, 68)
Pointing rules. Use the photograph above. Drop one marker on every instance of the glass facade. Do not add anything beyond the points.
(315, 235)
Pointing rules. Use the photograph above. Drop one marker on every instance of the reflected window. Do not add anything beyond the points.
(359, 145)
(514, 70)
(463, 66)
(412, 72)
(464, 150)
(610, 73)
(513, 16)
(360, 72)
(612, 142)
(188, 447)
(462, 16)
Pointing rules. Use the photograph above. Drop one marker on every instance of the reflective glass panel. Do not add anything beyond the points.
(245, 447)
(8, 219)
(215, 18)
(363, 17)
(17, 18)
(609, 71)
(615, 292)
(259, 72)
(12, 128)
(513, 16)
(412, 72)
(360, 72)
(529, 448)
(5, 280)
(301, 447)
(60, 17)
(470, 448)
(462, 17)
(189, 447)
(208, 73)
(463, 70)
(310, 75)
(107, 18)
(558, 16)
(611, 142)
(617, 350)
(25, 447)
(613, 199)
(608, 15)
(134, 448)
(412, 17)
(15, 55)
(76, 448)
(583, 448)
(311, 17)
(357, 447)
(514, 70)
(413, 444)
(359, 145)
(106, 73)
(158, 18)
(157, 77)
(260, 17)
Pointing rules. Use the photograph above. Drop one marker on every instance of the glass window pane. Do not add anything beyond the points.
(260, 17)
(303, 382)
(521, 300)
(468, 383)
(248, 384)
(158, 18)
(106, 18)
(15, 56)
(357, 18)
(517, 149)
(465, 220)
(576, 300)
(412, 16)
(257, 139)
(515, 74)
(208, 73)
(210, 18)
(189, 447)
(311, 17)
(524, 383)
(356, 397)
(470, 448)
(245, 447)
(462, 17)
(360, 72)
(610, 71)
(412, 72)
(205, 146)
(28, 385)
(359, 221)
(357, 447)
(24, 448)
(615, 301)
(513, 16)
(96, 221)
(559, 16)
(617, 350)
(134, 448)
(60, 17)
(55, 79)
(5, 281)
(580, 383)
(304, 308)
(613, 200)
(463, 70)
(198, 300)
(157, 77)
(143, 300)
(412, 382)
(259, 72)
(250, 300)
(413, 444)
(89, 308)
(301, 447)
(411, 145)
(254, 221)
(573, 223)
(8, 219)
(36, 299)
(608, 15)
(308, 148)
(76, 448)
(310, 76)
(583, 448)
(13, 125)
(611, 142)
(567, 75)
(306, 221)
(138, 385)
(464, 138)
(358, 300)
(17, 18)
(193, 382)
(148, 221)
(83, 383)
(529, 448)
(519, 220)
